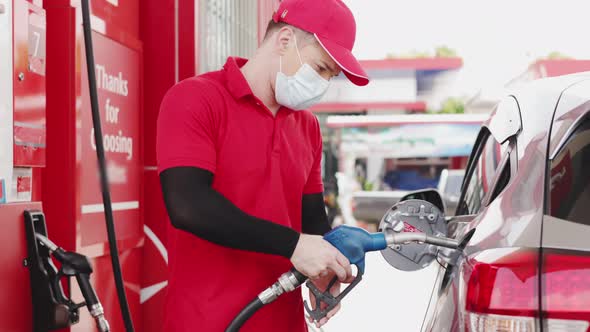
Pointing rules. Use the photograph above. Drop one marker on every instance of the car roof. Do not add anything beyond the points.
(537, 101)
(573, 106)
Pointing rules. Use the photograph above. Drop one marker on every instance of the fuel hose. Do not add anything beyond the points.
(104, 185)
(245, 314)
(287, 282)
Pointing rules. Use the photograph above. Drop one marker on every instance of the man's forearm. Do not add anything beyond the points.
(195, 207)
(313, 215)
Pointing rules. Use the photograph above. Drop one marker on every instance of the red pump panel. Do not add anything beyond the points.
(121, 17)
(71, 190)
(22, 135)
(15, 289)
(29, 84)
(117, 75)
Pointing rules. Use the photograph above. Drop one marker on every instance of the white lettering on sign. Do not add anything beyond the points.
(112, 83)
(112, 112)
(115, 143)
(117, 174)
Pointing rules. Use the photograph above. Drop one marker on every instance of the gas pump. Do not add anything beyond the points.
(22, 147)
(48, 163)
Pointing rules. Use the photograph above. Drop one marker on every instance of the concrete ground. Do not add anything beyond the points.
(385, 300)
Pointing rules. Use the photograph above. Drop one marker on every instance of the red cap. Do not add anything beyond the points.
(334, 27)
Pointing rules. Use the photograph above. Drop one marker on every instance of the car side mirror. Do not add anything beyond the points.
(429, 195)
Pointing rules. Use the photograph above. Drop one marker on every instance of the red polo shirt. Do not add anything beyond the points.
(263, 164)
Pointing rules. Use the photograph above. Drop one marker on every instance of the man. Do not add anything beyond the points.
(239, 162)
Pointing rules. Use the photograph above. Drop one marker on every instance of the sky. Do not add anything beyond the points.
(496, 39)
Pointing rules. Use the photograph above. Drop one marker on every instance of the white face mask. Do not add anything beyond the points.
(302, 90)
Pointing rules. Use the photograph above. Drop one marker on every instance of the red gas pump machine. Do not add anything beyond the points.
(22, 148)
(50, 164)
(48, 160)
(47, 157)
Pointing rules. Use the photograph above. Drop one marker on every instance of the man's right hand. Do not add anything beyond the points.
(314, 256)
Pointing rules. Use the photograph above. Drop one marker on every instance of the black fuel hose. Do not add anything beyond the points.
(288, 282)
(104, 184)
(244, 315)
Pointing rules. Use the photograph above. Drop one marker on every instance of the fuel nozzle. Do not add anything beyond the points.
(353, 243)
(393, 238)
(76, 265)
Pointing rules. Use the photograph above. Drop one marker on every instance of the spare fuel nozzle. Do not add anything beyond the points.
(74, 264)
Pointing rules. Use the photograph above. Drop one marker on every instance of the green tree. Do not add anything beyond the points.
(450, 106)
(557, 55)
(413, 54)
(445, 52)
(439, 52)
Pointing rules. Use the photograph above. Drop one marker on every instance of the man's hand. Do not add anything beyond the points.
(322, 284)
(316, 257)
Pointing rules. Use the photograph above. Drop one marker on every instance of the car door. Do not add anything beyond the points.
(565, 269)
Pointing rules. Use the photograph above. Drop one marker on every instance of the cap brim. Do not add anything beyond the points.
(346, 61)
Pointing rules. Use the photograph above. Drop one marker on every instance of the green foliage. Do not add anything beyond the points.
(450, 106)
(439, 52)
(555, 55)
(445, 52)
(414, 54)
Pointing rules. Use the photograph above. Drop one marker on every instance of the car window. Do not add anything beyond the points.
(570, 179)
(480, 180)
(453, 186)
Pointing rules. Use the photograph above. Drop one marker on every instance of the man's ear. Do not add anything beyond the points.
(284, 38)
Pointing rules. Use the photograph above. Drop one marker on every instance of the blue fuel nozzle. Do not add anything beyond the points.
(354, 242)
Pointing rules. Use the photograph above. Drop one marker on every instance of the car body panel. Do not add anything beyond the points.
(505, 120)
(564, 234)
(514, 219)
(573, 108)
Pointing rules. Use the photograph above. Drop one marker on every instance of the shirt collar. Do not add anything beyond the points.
(235, 81)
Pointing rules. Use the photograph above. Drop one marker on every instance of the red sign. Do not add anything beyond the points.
(23, 184)
(411, 229)
(117, 69)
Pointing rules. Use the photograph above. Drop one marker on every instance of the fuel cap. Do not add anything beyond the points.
(412, 216)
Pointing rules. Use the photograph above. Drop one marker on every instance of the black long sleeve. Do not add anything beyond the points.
(195, 207)
(314, 218)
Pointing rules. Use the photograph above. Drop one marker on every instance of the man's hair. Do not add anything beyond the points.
(303, 36)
